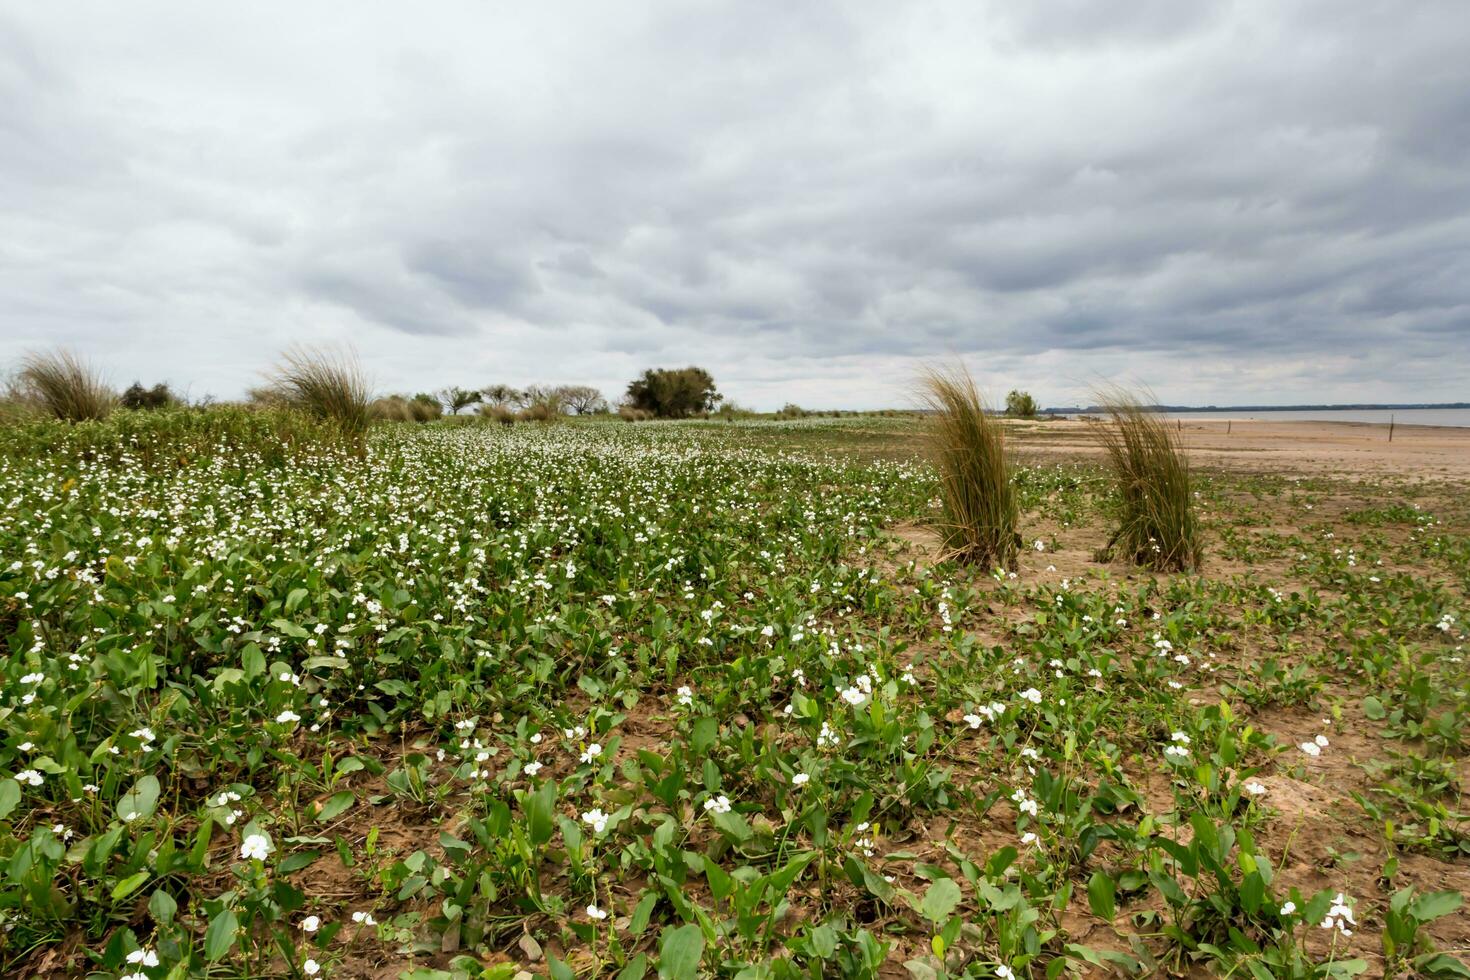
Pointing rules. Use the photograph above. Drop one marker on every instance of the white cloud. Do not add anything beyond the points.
(1231, 202)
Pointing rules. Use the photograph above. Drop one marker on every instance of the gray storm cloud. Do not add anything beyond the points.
(1246, 201)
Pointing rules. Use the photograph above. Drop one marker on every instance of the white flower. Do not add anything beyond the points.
(1028, 838)
(255, 848)
(30, 776)
(1311, 748)
(1031, 694)
(1004, 972)
(593, 912)
(287, 716)
(800, 779)
(1288, 908)
(718, 804)
(1176, 752)
(593, 751)
(311, 923)
(140, 975)
(1321, 740)
(685, 696)
(595, 819)
(1040, 545)
(144, 956)
(311, 968)
(1255, 788)
(854, 696)
(364, 918)
(1340, 916)
(973, 720)
(532, 768)
(1181, 738)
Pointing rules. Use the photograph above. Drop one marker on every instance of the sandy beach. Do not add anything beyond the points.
(1344, 448)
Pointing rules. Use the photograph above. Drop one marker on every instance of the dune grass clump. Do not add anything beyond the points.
(328, 385)
(62, 385)
(976, 492)
(1158, 527)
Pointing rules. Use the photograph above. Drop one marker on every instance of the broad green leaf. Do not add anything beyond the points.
(138, 803)
(335, 805)
(9, 796)
(940, 900)
(1101, 891)
(219, 938)
(679, 953)
(128, 885)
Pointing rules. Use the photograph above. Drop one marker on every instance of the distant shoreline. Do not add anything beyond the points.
(1215, 409)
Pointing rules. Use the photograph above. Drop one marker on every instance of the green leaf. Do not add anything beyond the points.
(1101, 892)
(636, 969)
(138, 802)
(940, 900)
(128, 885)
(220, 936)
(289, 628)
(336, 805)
(296, 862)
(540, 807)
(1440, 966)
(679, 953)
(639, 920)
(702, 735)
(1373, 708)
(1428, 907)
(9, 797)
(162, 907)
(295, 599)
(252, 661)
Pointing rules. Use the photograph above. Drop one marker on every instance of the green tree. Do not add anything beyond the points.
(457, 398)
(673, 394)
(1020, 404)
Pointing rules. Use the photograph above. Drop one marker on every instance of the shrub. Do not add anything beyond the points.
(543, 404)
(673, 394)
(176, 437)
(327, 385)
(64, 386)
(398, 408)
(632, 413)
(1020, 405)
(146, 399)
(503, 414)
(978, 498)
(1158, 527)
(792, 411)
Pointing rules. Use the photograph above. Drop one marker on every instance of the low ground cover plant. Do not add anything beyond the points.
(700, 698)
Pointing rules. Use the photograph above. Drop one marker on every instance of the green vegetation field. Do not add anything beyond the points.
(699, 698)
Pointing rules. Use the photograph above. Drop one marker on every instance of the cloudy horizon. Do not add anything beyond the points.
(1232, 203)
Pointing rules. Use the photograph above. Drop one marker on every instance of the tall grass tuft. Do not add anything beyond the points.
(61, 384)
(1158, 528)
(328, 385)
(979, 499)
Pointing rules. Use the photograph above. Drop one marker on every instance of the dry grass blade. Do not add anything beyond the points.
(1158, 526)
(328, 385)
(979, 500)
(62, 384)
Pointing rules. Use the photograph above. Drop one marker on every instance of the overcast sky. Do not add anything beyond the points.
(1230, 202)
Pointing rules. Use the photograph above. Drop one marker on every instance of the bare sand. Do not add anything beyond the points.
(1342, 448)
